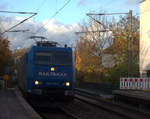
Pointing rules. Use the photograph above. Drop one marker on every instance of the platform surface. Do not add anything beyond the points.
(143, 95)
(13, 106)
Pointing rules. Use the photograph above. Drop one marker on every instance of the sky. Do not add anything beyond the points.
(63, 26)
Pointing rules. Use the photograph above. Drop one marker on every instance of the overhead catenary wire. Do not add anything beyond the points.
(33, 14)
(18, 12)
(19, 30)
(54, 15)
(106, 13)
(97, 21)
(99, 14)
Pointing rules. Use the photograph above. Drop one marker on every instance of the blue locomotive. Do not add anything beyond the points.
(46, 69)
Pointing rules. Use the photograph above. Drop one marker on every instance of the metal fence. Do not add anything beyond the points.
(135, 83)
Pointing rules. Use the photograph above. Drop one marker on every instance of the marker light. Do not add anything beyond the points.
(67, 84)
(36, 82)
(52, 69)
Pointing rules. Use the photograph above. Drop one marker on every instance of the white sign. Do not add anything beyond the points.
(52, 74)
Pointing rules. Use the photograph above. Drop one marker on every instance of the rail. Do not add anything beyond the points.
(94, 99)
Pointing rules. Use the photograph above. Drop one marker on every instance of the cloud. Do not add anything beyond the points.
(3, 6)
(82, 2)
(54, 31)
(132, 2)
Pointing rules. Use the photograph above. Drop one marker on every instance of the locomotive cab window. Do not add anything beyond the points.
(63, 58)
(53, 58)
(43, 58)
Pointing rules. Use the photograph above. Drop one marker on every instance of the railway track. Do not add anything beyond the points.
(50, 109)
(58, 113)
(122, 110)
(72, 114)
(88, 105)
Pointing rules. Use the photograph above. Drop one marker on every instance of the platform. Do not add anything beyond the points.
(13, 106)
(133, 97)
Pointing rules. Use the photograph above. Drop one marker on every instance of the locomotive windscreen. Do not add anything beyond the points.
(53, 58)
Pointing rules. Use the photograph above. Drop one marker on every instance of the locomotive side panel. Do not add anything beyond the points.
(22, 67)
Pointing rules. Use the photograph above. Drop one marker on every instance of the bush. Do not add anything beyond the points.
(121, 70)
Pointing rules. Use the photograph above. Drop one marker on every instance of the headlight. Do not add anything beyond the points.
(36, 82)
(67, 83)
(52, 69)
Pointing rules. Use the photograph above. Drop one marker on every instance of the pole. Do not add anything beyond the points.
(130, 46)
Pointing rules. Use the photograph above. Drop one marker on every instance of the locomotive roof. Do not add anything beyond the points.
(47, 43)
(52, 48)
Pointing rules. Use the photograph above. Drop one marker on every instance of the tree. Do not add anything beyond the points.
(5, 54)
(114, 40)
(90, 48)
(87, 62)
(123, 34)
(19, 52)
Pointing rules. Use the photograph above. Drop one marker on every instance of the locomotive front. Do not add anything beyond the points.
(51, 71)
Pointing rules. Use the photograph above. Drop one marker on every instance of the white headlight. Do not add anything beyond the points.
(52, 69)
(67, 83)
(36, 82)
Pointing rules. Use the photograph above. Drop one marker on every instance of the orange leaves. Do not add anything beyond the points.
(86, 60)
(19, 53)
(5, 53)
(78, 61)
(126, 38)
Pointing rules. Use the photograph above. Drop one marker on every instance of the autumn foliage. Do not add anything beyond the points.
(5, 54)
(93, 46)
